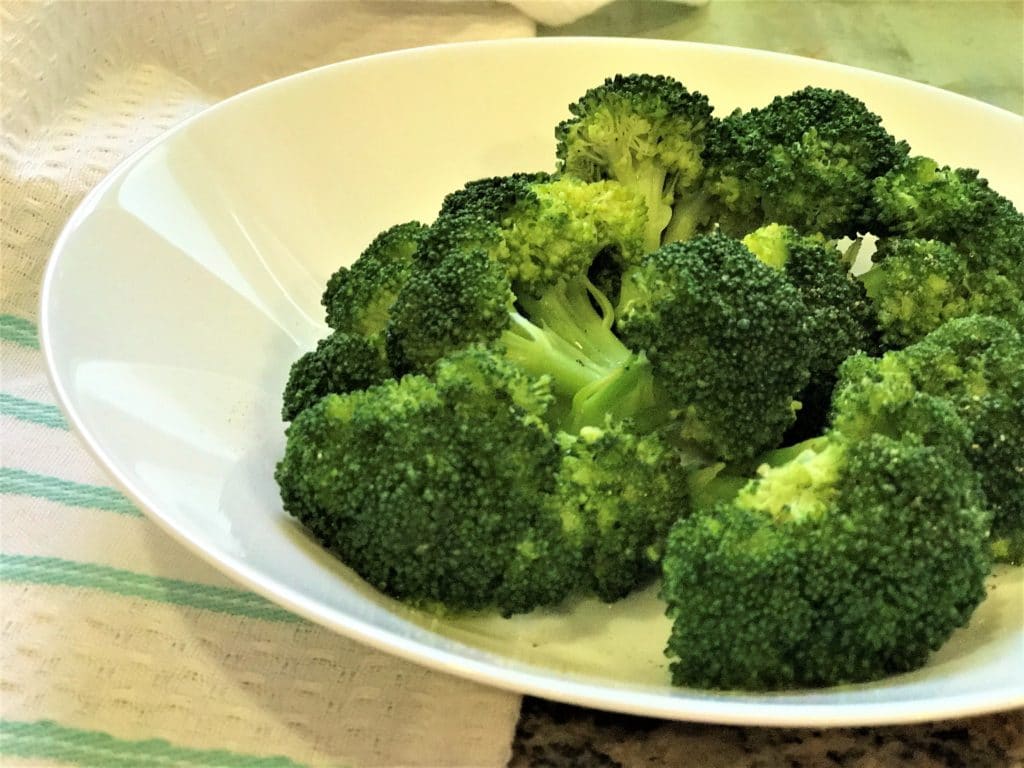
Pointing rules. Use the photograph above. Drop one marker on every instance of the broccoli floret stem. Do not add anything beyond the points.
(542, 353)
(629, 292)
(566, 310)
(689, 215)
(567, 334)
(627, 392)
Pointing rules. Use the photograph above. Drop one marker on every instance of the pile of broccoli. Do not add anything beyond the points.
(656, 362)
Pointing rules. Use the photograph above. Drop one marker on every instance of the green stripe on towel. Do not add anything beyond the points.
(30, 410)
(17, 481)
(47, 740)
(54, 571)
(18, 330)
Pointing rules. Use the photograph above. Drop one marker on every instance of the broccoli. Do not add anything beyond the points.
(839, 317)
(807, 159)
(852, 560)
(342, 362)
(646, 132)
(518, 278)
(975, 363)
(916, 285)
(656, 361)
(410, 481)
(358, 299)
(727, 339)
(357, 302)
(623, 491)
(918, 198)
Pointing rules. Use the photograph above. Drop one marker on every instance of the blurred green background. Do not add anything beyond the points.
(973, 47)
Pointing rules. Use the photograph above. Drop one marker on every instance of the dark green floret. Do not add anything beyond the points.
(918, 198)
(358, 299)
(647, 132)
(807, 159)
(850, 561)
(727, 340)
(976, 364)
(341, 362)
(839, 317)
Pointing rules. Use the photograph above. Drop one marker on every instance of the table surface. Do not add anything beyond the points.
(973, 47)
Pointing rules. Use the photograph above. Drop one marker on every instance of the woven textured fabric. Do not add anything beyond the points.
(118, 646)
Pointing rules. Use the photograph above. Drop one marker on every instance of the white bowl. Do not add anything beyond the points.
(189, 280)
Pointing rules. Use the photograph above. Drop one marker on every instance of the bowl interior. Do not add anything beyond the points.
(189, 281)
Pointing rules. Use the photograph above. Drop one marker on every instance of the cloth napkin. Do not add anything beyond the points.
(120, 648)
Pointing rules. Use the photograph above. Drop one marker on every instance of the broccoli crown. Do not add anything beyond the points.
(807, 159)
(839, 317)
(458, 294)
(412, 481)
(727, 341)
(976, 364)
(851, 561)
(493, 197)
(553, 228)
(916, 285)
(646, 132)
(918, 198)
(358, 299)
(622, 491)
(341, 362)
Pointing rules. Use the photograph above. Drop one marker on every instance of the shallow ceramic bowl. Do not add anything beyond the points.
(189, 280)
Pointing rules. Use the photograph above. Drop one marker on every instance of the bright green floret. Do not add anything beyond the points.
(916, 285)
(807, 159)
(518, 278)
(435, 490)
(623, 491)
(850, 561)
(647, 132)
(975, 364)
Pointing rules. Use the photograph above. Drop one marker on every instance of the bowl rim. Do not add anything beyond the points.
(727, 708)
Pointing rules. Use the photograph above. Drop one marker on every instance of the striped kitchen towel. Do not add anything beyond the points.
(120, 648)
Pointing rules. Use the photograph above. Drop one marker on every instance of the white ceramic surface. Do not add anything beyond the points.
(190, 279)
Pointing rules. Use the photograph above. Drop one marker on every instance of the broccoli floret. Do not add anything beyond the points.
(436, 490)
(916, 285)
(727, 340)
(358, 299)
(918, 198)
(521, 282)
(493, 197)
(851, 561)
(623, 491)
(839, 317)
(646, 132)
(341, 362)
(807, 159)
(975, 363)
